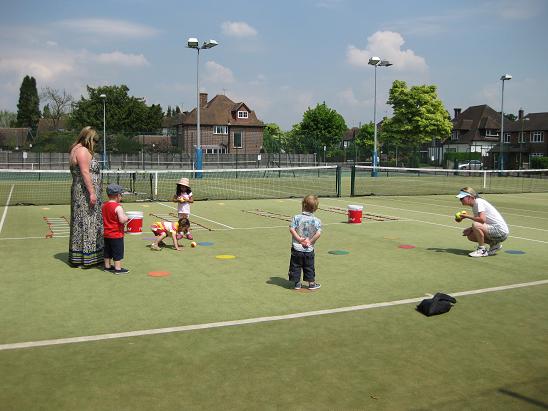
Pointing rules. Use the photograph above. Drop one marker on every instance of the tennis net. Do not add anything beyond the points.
(27, 187)
(426, 181)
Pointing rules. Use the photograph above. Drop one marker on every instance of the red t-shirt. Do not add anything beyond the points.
(112, 227)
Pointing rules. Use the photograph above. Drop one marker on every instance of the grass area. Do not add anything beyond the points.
(488, 352)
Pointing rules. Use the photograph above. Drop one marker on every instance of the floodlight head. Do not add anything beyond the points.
(209, 44)
(192, 43)
(374, 61)
(103, 96)
(385, 63)
(506, 77)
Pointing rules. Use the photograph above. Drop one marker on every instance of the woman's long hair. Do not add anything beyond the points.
(88, 138)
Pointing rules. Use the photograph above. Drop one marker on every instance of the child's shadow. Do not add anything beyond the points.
(448, 250)
(63, 257)
(280, 282)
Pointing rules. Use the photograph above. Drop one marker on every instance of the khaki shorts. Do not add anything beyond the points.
(495, 234)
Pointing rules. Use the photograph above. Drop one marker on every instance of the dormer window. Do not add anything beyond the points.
(455, 135)
(243, 114)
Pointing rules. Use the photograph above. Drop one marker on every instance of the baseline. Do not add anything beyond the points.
(168, 330)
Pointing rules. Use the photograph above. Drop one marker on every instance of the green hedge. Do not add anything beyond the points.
(539, 162)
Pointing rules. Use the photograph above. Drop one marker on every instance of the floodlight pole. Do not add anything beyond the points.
(376, 61)
(503, 79)
(194, 44)
(104, 98)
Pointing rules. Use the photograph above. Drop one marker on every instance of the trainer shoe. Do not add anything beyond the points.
(314, 286)
(120, 271)
(108, 270)
(189, 237)
(494, 248)
(155, 247)
(297, 286)
(480, 252)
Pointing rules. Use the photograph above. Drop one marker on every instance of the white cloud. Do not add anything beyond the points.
(217, 73)
(388, 46)
(349, 99)
(109, 27)
(517, 9)
(42, 67)
(122, 59)
(238, 29)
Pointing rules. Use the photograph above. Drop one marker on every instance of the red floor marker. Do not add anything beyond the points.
(159, 273)
(406, 246)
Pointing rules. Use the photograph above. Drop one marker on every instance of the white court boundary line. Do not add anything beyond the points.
(185, 328)
(203, 218)
(6, 208)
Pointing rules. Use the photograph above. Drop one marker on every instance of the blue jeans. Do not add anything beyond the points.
(301, 261)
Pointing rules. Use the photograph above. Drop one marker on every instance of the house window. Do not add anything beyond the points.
(238, 137)
(243, 114)
(522, 138)
(215, 150)
(537, 137)
(455, 135)
(491, 133)
(507, 137)
(537, 154)
(220, 129)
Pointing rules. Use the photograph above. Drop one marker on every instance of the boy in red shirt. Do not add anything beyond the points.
(114, 219)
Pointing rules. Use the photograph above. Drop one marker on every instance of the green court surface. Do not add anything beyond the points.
(229, 333)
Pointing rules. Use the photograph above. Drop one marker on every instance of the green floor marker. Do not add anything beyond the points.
(339, 252)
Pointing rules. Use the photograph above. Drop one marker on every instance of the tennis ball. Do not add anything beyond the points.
(193, 244)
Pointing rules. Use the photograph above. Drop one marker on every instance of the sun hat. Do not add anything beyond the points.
(184, 182)
(463, 194)
(113, 189)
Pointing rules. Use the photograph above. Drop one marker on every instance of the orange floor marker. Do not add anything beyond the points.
(159, 273)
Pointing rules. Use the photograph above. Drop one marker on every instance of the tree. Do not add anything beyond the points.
(7, 118)
(273, 138)
(365, 137)
(28, 108)
(168, 114)
(321, 126)
(419, 116)
(177, 110)
(58, 102)
(123, 112)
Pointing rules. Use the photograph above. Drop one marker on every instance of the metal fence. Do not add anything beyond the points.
(24, 160)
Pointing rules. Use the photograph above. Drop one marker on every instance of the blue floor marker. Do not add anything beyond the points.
(515, 252)
(205, 243)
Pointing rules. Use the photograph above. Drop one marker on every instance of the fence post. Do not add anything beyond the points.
(338, 183)
(352, 180)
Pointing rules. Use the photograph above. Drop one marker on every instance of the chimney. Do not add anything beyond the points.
(457, 112)
(203, 100)
(520, 114)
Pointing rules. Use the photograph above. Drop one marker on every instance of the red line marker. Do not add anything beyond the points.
(406, 246)
(159, 273)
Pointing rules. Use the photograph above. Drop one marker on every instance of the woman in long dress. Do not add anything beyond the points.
(86, 221)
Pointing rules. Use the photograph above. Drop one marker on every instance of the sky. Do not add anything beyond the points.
(281, 57)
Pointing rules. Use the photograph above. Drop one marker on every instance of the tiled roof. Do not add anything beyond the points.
(474, 118)
(531, 122)
(220, 111)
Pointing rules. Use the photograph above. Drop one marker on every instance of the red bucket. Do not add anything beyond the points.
(135, 223)
(355, 214)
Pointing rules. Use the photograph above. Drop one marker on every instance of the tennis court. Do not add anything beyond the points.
(229, 332)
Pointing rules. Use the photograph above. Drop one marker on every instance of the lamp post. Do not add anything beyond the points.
(503, 79)
(193, 43)
(376, 61)
(104, 98)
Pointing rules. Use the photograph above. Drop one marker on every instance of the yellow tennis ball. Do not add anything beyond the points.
(193, 244)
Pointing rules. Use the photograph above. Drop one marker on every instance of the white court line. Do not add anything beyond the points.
(6, 209)
(203, 218)
(184, 328)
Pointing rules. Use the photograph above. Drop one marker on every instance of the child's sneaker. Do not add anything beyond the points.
(480, 252)
(189, 237)
(155, 247)
(297, 285)
(314, 286)
(120, 271)
(494, 248)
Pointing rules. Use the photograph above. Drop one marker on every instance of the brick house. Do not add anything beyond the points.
(225, 127)
(525, 138)
(476, 129)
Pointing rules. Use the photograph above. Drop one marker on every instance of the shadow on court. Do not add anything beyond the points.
(456, 251)
(280, 282)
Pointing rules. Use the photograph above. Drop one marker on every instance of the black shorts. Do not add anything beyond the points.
(114, 248)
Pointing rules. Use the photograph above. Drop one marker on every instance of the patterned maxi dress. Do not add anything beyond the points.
(86, 223)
